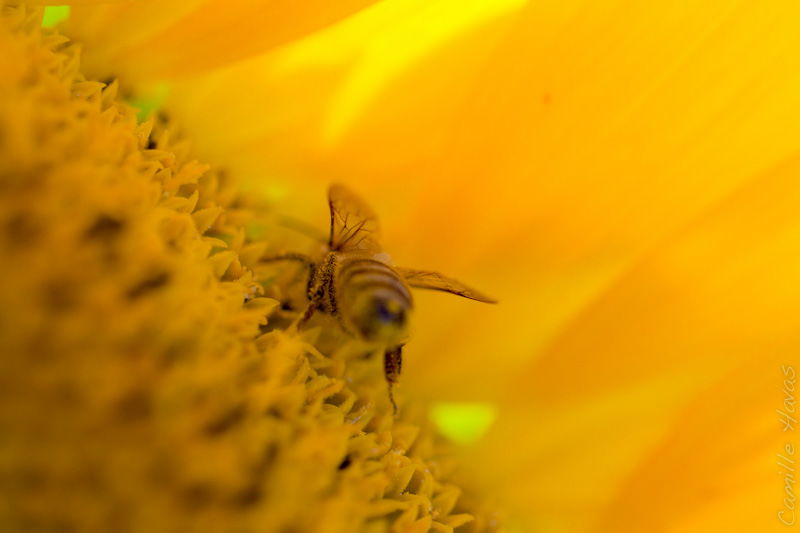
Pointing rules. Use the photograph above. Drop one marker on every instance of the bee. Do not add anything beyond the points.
(356, 284)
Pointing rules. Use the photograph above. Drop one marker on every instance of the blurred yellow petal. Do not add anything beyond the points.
(715, 469)
(315, 87)
(389, 53)
(665, 388)
(153, 39)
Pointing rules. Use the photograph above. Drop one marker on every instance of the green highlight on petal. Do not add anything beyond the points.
(53, 15)
(150, 100)
(273, 191)
(463, 423)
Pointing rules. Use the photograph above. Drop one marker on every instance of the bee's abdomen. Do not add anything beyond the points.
(360, 274)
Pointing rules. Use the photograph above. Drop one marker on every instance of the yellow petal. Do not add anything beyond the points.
(283, 109)
(156, 39)
(716, 465)
(664, 389)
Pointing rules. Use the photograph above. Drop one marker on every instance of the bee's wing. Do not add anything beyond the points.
(425, 279)
(354, 227)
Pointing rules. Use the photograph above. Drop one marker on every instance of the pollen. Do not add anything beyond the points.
(146, 381)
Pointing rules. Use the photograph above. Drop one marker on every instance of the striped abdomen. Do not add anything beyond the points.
(372, 300)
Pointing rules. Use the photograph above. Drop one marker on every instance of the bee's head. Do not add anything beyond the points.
(380, 316)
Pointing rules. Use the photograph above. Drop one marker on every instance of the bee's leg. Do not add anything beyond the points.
(312, 306)
(392, 365)
(308, 313)
(315, 300)
(300, 258)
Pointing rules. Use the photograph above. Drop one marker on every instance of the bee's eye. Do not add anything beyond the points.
(389, 312)
(383, 311)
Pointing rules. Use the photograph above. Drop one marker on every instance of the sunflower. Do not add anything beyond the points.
(622, 176)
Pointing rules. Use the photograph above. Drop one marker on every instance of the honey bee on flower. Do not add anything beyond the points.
(356, 284)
